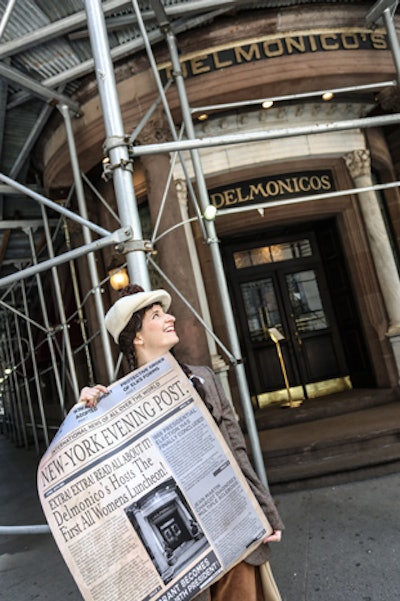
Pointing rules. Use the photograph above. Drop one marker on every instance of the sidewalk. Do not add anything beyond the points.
(341, 542)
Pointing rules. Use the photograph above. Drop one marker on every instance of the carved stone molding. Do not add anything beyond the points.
(389, 99)
(181, 191)
(155, 131)
(358, 162)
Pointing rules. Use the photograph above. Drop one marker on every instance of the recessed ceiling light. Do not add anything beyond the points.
(267, 104)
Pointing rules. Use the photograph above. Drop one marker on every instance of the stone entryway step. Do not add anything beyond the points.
(323, 407)
(342, 443)
(346, 461)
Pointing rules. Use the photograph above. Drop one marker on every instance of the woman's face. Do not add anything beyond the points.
(157, 334)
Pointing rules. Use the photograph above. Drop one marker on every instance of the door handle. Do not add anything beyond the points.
(296, 332)
(298, 338)
(262, 321)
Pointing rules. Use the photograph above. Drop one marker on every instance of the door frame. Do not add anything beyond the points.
(235, 277)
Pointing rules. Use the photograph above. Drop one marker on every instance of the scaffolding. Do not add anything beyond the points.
(22, 383)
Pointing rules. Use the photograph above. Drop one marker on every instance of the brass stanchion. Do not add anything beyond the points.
(276, 336)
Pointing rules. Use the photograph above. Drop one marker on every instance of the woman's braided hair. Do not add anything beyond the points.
(125, 340)
(197, 383)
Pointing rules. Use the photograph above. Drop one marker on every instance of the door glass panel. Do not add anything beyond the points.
(261, 306)
(273, 253)
(306, 301)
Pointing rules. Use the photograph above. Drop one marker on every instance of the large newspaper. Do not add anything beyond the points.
(142, 494)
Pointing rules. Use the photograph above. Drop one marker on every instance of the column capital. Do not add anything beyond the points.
(358, 162)
(389, 99)
(155, 131)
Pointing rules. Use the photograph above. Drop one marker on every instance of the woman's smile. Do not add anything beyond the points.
(157, 334)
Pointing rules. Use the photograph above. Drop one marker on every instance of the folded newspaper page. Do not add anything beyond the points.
(142, 494)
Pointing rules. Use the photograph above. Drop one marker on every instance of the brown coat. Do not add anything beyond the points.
(232, 434)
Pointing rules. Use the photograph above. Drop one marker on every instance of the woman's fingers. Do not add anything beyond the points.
(90, 394)
(275, 537)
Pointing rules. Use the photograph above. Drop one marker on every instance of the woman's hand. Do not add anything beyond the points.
(274, 537)
(90, 394)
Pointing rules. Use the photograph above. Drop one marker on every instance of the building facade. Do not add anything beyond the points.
(308, 220)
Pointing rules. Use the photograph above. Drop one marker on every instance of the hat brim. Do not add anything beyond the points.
(118, 316)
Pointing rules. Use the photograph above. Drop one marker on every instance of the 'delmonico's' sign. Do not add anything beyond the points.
(277, 187)
(274, 46)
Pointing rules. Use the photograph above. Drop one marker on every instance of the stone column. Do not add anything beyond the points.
(359, 165)
(173, 253)
(217, 362)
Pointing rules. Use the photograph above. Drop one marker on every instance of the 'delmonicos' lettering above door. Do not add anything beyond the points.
(277, 187)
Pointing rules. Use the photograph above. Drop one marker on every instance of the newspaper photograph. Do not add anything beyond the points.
(143, 495)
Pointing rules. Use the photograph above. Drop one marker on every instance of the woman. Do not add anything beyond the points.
(144, 331)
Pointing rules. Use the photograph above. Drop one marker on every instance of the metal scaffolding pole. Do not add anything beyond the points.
(31, 140)
(116, 145)
(384, 9)
(35, 369)
(307, 198)
(116, 238)
(79, 308)
(49, 332)
(193, 143)
(214, 246)
(77, 21)
(25, 375)
(20, 422)
(120, 165)
(38, 89)
(393, 40)
(4, 386)
(223, 106)
(6, 16)
(168, 115)
(60, 306)
(9, 371)
(21, 315)
(23, 530)
(80, 195)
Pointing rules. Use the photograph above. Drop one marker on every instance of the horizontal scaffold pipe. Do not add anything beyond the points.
(296, 96)
(297, 200)
(39, 529)
(45, 93)
(260, 136)
(118, 237)
(53, 205)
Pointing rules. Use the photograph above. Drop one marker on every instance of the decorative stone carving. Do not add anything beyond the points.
(181, 191)
(155, 131)
(358, 163)
(389, 99)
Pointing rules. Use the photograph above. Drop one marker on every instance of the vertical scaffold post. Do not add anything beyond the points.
(214, 245)
(116, 141)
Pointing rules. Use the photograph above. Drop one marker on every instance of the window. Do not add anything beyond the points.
(273, 253)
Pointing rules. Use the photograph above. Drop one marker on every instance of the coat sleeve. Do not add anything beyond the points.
(233, 435)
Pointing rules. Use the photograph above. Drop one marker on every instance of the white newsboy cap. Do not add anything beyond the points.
(118, 316)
